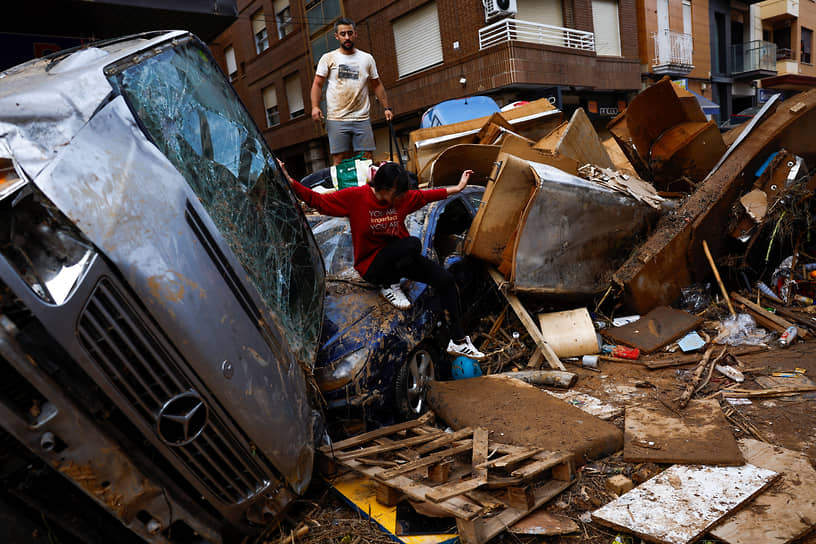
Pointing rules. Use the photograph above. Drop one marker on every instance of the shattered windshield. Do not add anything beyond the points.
(194, 117)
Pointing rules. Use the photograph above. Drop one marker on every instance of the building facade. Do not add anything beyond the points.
(574, 52)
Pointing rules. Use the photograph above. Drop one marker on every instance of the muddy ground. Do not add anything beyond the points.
(789, 422)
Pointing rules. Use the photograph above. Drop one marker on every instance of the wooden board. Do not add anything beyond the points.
(518, 413)
(681, 503)
(579, 141)
(654, 330)
(698, 434)
(783, 513)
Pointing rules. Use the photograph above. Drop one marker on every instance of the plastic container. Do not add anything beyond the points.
(622, 352)
(803, 299)
(787, 337)
(590, 361)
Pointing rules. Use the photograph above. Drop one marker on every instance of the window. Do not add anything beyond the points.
(283, 18)
(321, 13)
(294, 95)
(547, 12)
(686, 16)
(232, 67)
(322, 44)
(806, 45)
(259, 30)
(417, 40)
(270, 98)
(607, 27)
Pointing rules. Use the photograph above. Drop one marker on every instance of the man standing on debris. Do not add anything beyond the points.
(350, 73)
(384, 252)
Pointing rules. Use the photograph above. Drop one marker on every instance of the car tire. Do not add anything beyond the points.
(410, 383)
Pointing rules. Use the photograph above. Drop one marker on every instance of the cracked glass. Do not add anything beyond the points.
(193, 116)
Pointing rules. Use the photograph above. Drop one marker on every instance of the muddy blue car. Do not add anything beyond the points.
(374, 360)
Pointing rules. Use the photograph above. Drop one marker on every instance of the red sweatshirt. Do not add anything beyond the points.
(373, 223)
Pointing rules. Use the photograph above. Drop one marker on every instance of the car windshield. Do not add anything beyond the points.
(193, 116)
(333, 235)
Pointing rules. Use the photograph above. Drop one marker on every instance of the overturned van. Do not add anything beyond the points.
(161, 298)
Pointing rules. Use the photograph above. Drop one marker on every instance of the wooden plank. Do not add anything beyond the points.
(377, 433)
(529, 324)
(479, 455)
(447, 491)
(444, 440)
(383, 448)
(781, 514)
(512, 459)
(425, 461)
(683, 502)
(459, 506)
(780, 321)
(480, 530)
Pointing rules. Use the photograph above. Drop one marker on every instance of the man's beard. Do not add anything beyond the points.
(348, 45)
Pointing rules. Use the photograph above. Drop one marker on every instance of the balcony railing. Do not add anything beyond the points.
(515, 30)
(673, 52)
(754, 56)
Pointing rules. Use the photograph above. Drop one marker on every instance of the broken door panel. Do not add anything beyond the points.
(673, 257)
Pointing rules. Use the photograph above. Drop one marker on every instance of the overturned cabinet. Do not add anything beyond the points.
(553, 233)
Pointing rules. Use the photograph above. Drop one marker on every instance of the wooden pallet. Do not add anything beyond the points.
(485, 485)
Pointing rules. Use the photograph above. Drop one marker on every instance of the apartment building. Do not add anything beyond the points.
(574, 52)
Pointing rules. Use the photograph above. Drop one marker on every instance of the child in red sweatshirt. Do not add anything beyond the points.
(384, 252)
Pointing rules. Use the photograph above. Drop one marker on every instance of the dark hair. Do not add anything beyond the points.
(344, 21)
(391, 176)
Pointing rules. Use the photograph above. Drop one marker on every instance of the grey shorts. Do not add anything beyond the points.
(350, 136)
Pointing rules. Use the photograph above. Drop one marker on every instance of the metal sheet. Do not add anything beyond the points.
(575, 235)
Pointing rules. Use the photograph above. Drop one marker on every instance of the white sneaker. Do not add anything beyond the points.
(394, 295)
(467, 349)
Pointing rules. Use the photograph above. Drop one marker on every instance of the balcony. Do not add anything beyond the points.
(673, 53)
(777, 10)
(515, 30)
(753, 60)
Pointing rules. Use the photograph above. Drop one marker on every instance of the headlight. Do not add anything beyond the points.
(342, 371)
(45, 248)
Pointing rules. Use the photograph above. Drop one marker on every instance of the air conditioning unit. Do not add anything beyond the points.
(496, 9)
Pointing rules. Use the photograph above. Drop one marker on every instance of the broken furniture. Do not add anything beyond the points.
(673, 257)
(422, 463)
(532, 120)
(667, 138)
(542, 228)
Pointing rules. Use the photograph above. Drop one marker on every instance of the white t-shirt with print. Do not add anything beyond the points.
(347, 91)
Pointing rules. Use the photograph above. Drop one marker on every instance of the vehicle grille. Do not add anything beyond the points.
(145, 374)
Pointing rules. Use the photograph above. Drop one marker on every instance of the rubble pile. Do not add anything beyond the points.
(670, 290)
